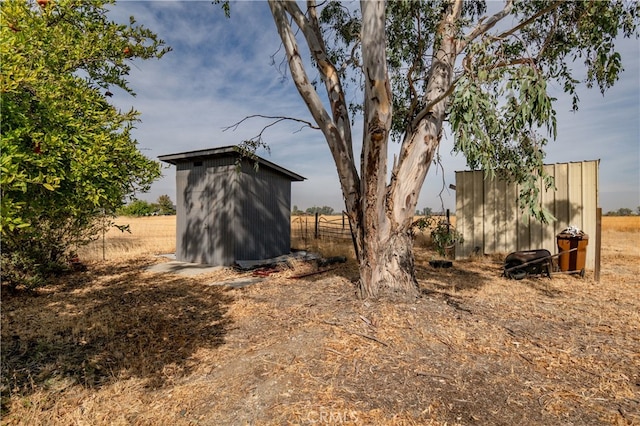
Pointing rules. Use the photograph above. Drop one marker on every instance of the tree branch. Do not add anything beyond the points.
(378, 109)
(427, 109)
(421, 141)
(298, 73)
(519, 61)
(277, 119)
(550, 36)
(337, 131)
(311, 30)
(485, 25)
(523, 24)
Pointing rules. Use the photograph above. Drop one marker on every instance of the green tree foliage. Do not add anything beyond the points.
(296, 212)
(138, 208)
(162, 207)
(67, 153)
(165, 205)
(499, 108)
(325, 210)
(623, 211)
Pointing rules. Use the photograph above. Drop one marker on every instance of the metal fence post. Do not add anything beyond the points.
(316, 233)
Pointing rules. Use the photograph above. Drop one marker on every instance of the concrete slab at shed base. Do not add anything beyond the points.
(183, 268)
(192, 269)
(240, 282)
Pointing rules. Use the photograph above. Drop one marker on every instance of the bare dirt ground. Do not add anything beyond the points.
(119, 345)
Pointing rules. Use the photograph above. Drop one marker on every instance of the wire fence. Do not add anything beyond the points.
(320, 227)
(336, 227)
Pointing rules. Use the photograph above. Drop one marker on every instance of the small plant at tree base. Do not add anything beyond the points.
(443, 234)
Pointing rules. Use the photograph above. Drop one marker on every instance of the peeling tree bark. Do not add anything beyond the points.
(386, 259)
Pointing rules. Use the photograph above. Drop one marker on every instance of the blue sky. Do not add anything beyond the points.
(221, 70)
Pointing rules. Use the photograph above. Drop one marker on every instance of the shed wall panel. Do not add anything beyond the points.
(548, 197)
(490, 231)
(228, 211)
(478, 211)
(488, 216)
(264, 200)
(561, 207)
(535, 227)
(204, 213)
(510, 213)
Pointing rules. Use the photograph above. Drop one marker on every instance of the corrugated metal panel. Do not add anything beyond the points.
(191, 212)
(205, 212)
(220, 228)
(264, 222)
(548, 199)
(561, 202)
(490, 214)
(487, 213)
(510, 227)
(226, 213)
(478, 211)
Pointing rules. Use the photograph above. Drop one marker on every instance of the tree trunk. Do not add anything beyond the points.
(387, 267)
(380, 213)
(385, 256)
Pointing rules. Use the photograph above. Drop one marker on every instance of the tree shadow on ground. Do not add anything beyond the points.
(542, 285)
(460, 277)
(109, 323)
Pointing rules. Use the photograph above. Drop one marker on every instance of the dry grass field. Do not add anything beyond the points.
(118, 345)
(148, 235)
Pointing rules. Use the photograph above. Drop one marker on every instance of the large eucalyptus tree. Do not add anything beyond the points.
(421, 65)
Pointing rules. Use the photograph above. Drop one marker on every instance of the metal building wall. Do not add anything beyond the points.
(205, 211)
(225, 214)
(487, 213)
(263, 222)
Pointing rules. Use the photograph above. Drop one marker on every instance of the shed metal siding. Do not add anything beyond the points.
(227, 213)
(205, 210)
(264, 222)
(487, 212)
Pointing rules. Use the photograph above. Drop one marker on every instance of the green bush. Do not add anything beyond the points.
(138, 208)
(443, 234)
(67, 153)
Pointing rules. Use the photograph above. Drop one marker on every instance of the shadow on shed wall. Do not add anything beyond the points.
(263, 219)
(226, 215)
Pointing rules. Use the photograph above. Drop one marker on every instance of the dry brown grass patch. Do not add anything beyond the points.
(621, 223)
(475, 348)
(148, 235)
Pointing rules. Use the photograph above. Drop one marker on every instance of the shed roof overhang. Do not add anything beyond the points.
(225, 151)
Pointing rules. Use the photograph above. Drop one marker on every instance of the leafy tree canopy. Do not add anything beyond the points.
(623, 211)
(499, 109)
(163, 207)
(325, 210)
(67, 153)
